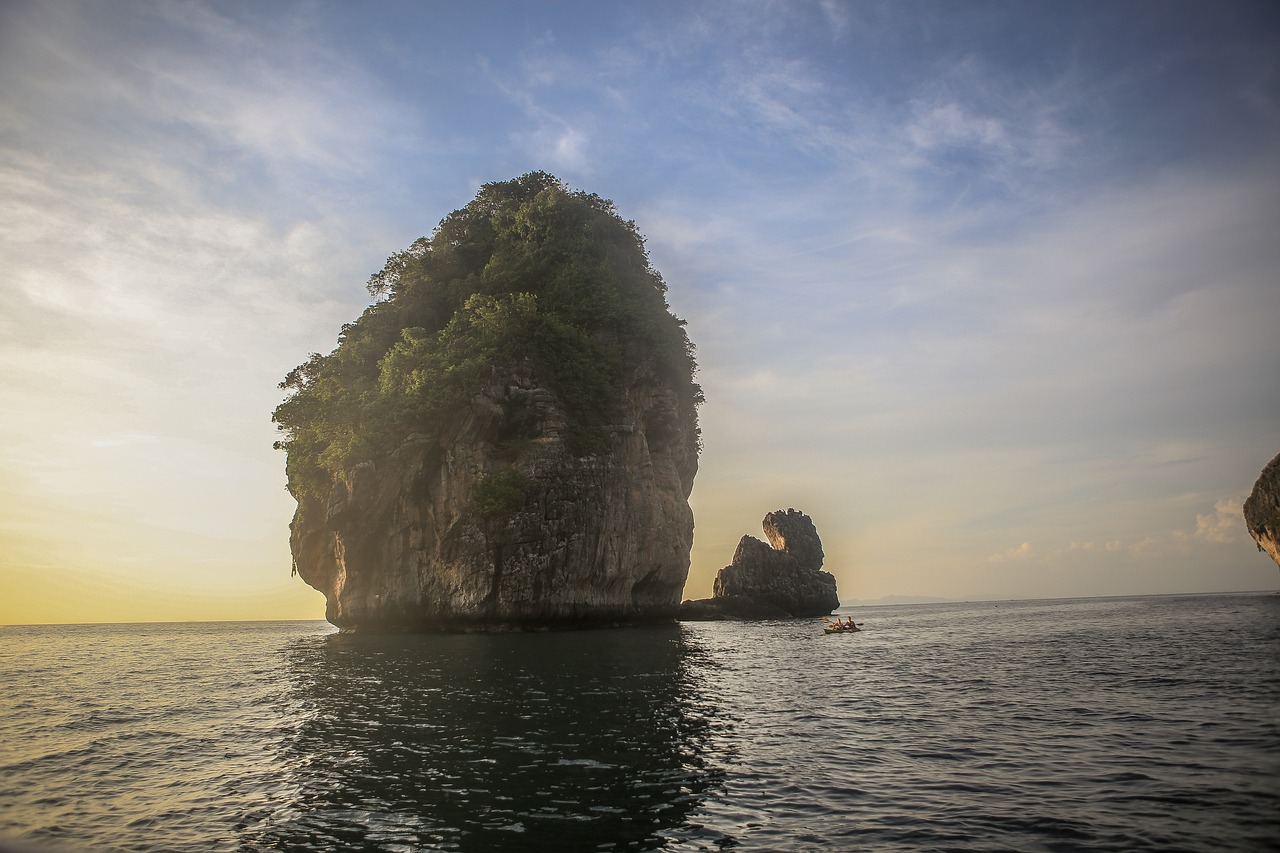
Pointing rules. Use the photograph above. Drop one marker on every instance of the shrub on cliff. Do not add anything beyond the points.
(529, 272)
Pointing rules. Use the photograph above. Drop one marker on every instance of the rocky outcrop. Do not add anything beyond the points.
(781, 579)
(1262, 510)
(488, 522)
(507, 437)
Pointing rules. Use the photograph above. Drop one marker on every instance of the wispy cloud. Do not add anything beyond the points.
(161, 270)
(960, 296)
(1020, 552)
(838, 16)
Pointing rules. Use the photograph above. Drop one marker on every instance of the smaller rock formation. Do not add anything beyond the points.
(779, 580)
(1262, 510)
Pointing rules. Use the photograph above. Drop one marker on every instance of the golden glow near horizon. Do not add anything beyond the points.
(1021, 345)
(104, 560)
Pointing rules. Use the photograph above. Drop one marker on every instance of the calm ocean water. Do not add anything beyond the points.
(1093, 724)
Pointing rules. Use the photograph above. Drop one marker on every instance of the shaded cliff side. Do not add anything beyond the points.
(1262, 510)
(779, 580)
(508, 437)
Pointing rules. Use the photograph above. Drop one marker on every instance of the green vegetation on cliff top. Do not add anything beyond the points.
(530, 272)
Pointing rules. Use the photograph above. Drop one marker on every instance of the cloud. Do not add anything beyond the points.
(151, 181)
(1064, 381)
(837, 15)
(262, 88)
(1091, 547)
(939, 125)
(562, 148)
(930, 278)
(1021, 552)
(124, 439)
(1223, 526)
(554, 134)
(161, 271)
(282, 96)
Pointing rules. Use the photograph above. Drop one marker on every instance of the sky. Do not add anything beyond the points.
(988, 289)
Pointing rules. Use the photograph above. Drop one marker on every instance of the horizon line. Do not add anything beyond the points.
(872, 602)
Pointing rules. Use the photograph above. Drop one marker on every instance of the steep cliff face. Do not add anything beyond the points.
(1262, 510)
(781, 579)
(509, 438)
(404, 544)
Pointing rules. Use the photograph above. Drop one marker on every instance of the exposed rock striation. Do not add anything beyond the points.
(778, 580)
(401, 545)
(1262, 510)
(506, 439)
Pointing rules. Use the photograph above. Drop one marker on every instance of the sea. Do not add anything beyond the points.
(1142, 723)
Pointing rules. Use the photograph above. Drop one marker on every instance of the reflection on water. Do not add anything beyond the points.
(590, 740)
(1099, 724)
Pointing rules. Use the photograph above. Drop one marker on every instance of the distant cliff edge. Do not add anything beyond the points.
(1262, 510)
(507, 437)
(782, 579)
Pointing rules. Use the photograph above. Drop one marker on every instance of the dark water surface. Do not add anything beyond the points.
(1090, 724)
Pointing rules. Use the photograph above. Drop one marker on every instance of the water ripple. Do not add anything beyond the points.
(1104, 724)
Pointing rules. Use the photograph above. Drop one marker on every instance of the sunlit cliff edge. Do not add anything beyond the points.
(1262, 510)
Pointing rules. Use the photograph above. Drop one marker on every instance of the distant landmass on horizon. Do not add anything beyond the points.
(895, 599)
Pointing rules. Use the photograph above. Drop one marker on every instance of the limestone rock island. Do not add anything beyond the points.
(507, 437)
(779, 580)
(1262, 510)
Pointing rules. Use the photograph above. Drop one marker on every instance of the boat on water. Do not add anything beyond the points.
(838, 627)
